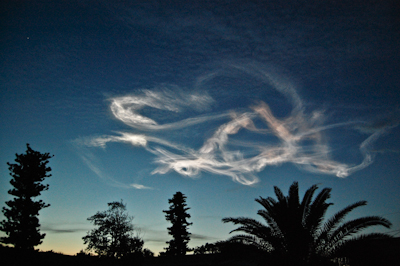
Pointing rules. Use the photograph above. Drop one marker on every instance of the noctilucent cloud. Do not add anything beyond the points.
(219, 100)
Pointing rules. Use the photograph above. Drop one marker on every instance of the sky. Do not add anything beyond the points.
(220, 100)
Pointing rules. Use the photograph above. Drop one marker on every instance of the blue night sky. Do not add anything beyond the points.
(221, 100)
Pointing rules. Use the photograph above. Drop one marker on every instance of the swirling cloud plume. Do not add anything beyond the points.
(298, 138)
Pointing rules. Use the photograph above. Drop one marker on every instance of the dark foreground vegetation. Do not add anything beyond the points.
(372, 252)
(295, 231)
(292, 232)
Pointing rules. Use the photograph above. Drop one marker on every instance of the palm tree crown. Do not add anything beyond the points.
(296, 234)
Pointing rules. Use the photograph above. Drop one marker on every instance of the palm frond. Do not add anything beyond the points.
(347, 244)
(270, 221)
(293, 196)
(249, 226)
(305, 203)
(240, 220)
(280, 196)
(352, 227)
(296, 230)
(317, 210)
(268, 203)
(335, 220)
(252, 240)
(271, 212)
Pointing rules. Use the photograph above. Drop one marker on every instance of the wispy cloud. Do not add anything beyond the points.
(127, 108)
(202, 237)
(163, 240)
(62, 228)
(138, 186)
(299, 138)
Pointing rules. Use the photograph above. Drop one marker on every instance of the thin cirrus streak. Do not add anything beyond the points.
(298, 138)
(90, 161)
(126, 109)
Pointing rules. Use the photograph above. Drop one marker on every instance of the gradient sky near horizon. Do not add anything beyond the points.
(221, 100)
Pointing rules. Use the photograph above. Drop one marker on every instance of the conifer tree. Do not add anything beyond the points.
(177, 215)
(22, 224)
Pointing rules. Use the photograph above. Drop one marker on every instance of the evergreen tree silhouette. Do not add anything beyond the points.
(22, 224)
(177, 215)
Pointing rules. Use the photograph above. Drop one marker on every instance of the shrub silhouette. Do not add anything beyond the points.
(114, 236)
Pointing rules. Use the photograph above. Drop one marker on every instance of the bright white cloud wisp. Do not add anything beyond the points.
(298, 138)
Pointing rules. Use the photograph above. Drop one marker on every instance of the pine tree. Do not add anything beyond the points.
(177, 215)
(22, 224)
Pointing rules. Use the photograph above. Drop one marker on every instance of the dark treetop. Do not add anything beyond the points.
(22, 224)
(177, 215)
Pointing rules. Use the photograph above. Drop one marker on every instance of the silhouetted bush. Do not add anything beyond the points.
(374, 252)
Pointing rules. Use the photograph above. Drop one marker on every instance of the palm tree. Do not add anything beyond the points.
(296, 234)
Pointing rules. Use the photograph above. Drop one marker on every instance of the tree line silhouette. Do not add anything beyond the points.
(294, 232)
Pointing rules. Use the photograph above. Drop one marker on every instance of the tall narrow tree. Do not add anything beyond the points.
(22, 224)
(177, 215)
